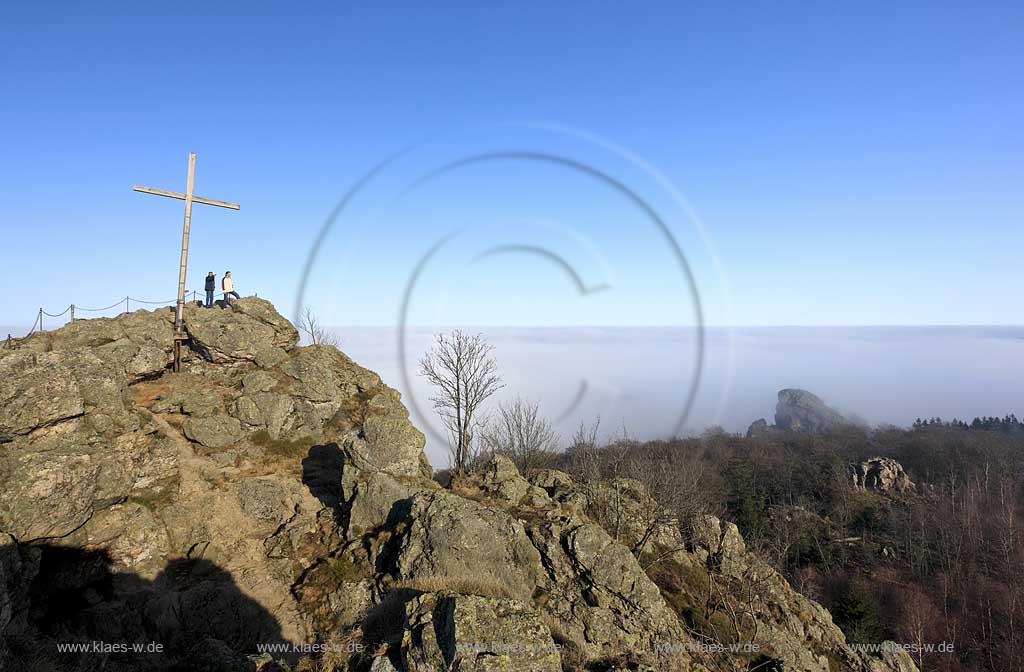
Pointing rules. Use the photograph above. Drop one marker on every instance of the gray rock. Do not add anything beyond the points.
(551, 480)
(263, 499)
(215, 431)
(268, 358)
(758, 427)
(258, 381)
(560, 487)
(37, 391)
(501, 478)
(880, 474)
(374, 497)
(188, 394)
(448, 631)
(720, 544)
(250, 327)
(800, 411)
(448, 536)
(382, 664)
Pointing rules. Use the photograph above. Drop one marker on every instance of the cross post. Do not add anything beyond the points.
(189, 198)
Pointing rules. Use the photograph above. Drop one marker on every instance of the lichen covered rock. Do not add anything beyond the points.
(448, 631)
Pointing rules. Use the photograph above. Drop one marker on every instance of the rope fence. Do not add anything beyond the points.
(37, 324)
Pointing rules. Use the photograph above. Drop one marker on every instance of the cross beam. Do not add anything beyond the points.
(182, 197)
(189, 199)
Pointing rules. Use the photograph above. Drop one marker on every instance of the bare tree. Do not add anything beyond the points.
(316, 333)
(519, 432)
(462, 369)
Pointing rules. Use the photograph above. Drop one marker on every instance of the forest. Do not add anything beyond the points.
(934, 567)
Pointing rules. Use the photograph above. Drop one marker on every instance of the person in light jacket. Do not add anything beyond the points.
(211, 287)
(228, 286)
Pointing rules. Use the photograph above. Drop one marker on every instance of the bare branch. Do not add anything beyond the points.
(464, 374)
(314, 331)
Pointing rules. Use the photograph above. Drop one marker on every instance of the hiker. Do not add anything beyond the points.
(228, 286)
(211, 286)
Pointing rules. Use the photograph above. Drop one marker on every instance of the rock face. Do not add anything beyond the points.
(448, 631)
(145, 505)
(801, 411)
(758, 427)
(880, 474)
(274, 494)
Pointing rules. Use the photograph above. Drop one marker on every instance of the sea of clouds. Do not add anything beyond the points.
(640, 378)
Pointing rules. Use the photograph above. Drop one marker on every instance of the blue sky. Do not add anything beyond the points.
(844, 165)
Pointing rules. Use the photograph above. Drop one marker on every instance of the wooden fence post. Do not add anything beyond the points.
(72, 312)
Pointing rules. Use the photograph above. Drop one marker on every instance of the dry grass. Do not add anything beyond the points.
(340, 649)
(468, 486)
(571, 652)
(283, 448)
(466, 585)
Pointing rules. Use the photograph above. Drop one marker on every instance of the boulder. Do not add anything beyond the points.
(880, 474)
(719, 544)
(560, 488)
(601, 597)
(444, 535)
(470, 633)
(552, 481)
(214, 431)
(247, 328)
(375, 498)
(501, 478)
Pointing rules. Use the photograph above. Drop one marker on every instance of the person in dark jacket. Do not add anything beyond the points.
(211, 287)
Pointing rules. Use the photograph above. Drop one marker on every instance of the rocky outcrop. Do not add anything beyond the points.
(273, 493)
(880, 474)
(449, 631)
(800, 411)
(172, 507)
(244, 331)
(758, 427)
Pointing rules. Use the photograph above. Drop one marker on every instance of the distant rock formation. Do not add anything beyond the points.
(880, 474)
(758, 427)
(800, 411)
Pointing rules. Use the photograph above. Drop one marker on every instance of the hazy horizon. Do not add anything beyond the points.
(639, 377)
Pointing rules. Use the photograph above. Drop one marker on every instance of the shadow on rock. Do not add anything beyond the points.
(321, 473)
(66, 608)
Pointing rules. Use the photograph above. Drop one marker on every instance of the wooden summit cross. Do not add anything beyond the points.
(189, 198)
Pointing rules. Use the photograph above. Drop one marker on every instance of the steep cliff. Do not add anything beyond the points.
(272, 494)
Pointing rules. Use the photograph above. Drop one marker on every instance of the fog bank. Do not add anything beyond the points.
(638, 378)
